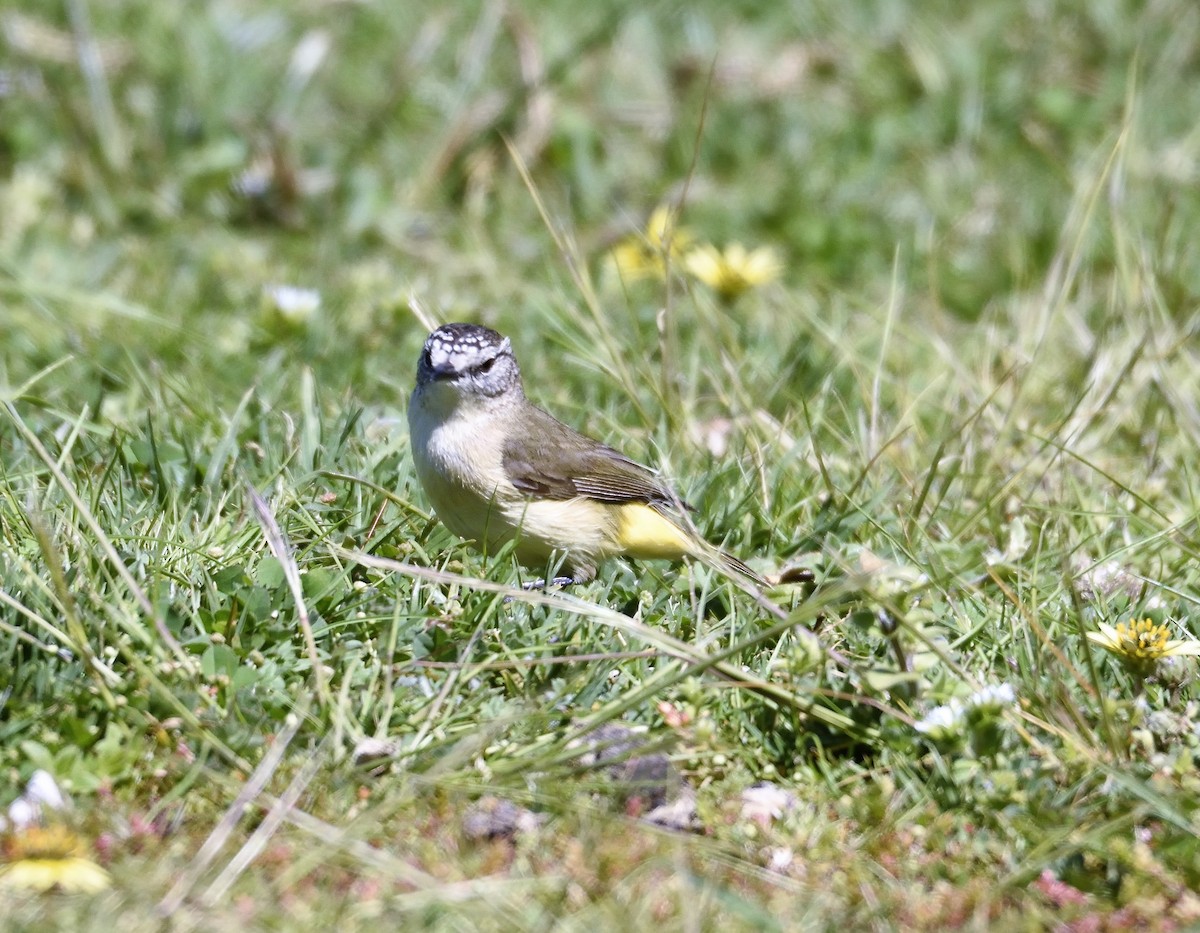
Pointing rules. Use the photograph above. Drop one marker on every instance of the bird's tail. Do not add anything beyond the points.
(676, 537)
(725, 563)
(739, 567)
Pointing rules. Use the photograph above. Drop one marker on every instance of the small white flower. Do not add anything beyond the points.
(941, 720)
(43, 789)
(293, 305)
(781, 859)
(1014, 549)
(993, 696)
(766, 802)
(41, 793)
(21, 813)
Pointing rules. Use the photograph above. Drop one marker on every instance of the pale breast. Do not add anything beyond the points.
(458, 465)
(458, 462)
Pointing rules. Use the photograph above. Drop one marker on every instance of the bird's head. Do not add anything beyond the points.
(472, 361)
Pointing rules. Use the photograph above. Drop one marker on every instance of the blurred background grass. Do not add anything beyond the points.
(978, 365)
(218, 148)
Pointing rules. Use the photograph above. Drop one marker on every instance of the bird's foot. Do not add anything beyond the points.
(543, 585)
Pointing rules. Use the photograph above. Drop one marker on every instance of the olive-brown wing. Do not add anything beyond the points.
(554, 461)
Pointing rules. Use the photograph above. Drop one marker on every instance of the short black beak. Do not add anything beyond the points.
(443, 371)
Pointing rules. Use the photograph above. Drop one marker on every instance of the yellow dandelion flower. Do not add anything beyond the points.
(46, 858)
(735, 270)
(662, 231)
(650, 254)
(1140, 642)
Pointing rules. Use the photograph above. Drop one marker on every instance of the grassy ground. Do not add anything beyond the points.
(969, 406)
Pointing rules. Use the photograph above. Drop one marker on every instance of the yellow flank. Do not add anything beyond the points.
(644, 533)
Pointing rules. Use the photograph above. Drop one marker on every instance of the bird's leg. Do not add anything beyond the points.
(542, 584)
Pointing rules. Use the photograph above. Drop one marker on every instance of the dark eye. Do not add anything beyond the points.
(486, 368)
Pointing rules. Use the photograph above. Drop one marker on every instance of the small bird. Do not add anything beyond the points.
(497, 468)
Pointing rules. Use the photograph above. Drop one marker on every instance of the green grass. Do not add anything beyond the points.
(974, 384)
